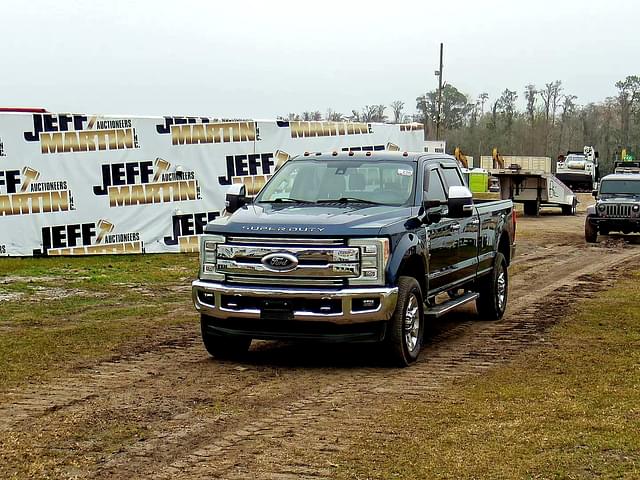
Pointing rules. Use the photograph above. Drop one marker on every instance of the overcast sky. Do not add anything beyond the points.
(261, 59)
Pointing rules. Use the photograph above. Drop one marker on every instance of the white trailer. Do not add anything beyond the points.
(579, 170)
(535, 189)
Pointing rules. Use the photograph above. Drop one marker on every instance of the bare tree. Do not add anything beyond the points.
(530, 94)
(628, 99)
(550, 96)
(379, 116)
(397, 106)
(568, 108)
(483, 97)
(493, 124)
(507, 105)
(369, 112)
(334, 116)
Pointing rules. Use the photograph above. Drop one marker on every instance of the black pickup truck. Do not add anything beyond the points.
(352, 246)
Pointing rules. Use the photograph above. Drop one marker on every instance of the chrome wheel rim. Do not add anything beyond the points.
(502, 288)
(411, 323)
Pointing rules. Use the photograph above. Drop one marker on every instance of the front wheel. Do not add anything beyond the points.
(223, 347)
(494, 289)
(406, 327)
(590, 232)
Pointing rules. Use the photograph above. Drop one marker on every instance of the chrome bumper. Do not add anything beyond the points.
(387, 302)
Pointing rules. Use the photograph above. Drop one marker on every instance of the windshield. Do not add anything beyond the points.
(320, 181)
(623, 187)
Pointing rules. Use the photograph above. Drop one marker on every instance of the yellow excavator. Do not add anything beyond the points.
(498, 161)
(461, 157)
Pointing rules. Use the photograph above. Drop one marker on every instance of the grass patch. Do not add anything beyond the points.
(567, 409)
(65, 312)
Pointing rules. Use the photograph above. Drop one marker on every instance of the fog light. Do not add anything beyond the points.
(207, 298)
(361, 304)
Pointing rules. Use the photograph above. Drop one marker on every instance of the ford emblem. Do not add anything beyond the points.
(280, 262)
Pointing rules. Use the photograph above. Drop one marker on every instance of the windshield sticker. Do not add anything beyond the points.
(404, 173)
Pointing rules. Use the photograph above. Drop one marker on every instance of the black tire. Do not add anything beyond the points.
(223, 347)
(403, 342)
(590, 231)
(532, 208)
(569, 209)
(494, 290)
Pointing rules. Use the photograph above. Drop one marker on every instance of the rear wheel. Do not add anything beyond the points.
(494, 290)
(570, 209)
(590, 231)
(532, 208)
(406, 327)
(223, 346)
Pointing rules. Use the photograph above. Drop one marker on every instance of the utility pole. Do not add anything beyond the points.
(439, 74)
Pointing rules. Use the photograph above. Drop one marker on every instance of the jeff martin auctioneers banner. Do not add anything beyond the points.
(76, 184)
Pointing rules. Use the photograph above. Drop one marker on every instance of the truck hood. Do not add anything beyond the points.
(615, 198)
(343, 220)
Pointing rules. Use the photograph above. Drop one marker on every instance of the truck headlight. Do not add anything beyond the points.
(208, 252)
(602, 207)
(374, 254)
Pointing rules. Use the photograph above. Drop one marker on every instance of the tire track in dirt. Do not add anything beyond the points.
(458, 349)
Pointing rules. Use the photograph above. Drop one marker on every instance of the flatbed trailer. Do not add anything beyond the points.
(535, 189)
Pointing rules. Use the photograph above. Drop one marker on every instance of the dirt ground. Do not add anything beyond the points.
(288, 410)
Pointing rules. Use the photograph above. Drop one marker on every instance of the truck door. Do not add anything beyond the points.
(443, 235)
(467, 252)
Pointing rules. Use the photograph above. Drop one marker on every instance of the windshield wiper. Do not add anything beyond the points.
(349, 199)
(286, 200)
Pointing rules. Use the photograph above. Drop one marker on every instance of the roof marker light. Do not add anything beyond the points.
(306, 154)
(405, 154)
(368, 154)
(351, 153)
(334, 153)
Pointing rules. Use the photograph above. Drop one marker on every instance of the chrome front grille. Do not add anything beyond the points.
(315, 254)
(618, 210)
(316, 262)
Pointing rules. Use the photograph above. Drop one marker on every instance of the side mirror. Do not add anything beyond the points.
(460, 202)
(594, 193)
(236, 197)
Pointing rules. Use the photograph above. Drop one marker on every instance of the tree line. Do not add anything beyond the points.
(552, 122)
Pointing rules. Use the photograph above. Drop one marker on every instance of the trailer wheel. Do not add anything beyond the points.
(532, 208)
(590, 231)
(494, 290)
(223, 347)
(406, 327)
(570, 209)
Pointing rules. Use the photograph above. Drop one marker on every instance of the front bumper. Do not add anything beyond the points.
(613, 223)
(212, 299)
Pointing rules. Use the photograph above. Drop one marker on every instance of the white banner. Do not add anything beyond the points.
(76, 184)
